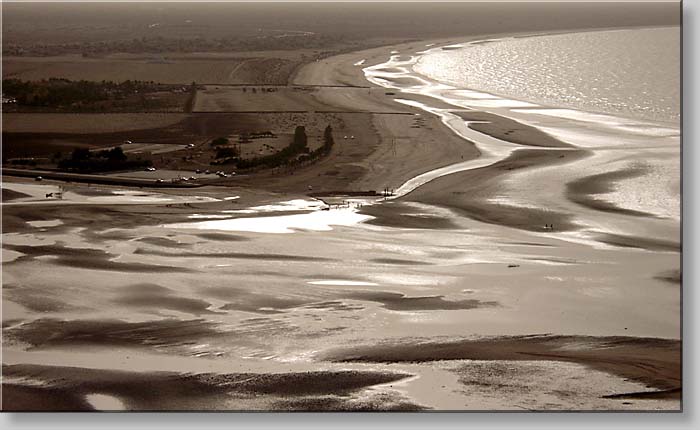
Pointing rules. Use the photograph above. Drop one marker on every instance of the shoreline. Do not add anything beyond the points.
(504, 36)
(512, 125)
(252, 312)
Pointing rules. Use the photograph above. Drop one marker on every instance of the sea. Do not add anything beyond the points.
(632, 73)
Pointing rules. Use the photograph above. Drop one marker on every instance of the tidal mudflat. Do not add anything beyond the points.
(451, 246)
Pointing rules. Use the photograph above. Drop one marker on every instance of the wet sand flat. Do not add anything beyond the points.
(651, 361)
(583, 191)
(69, 388)
(510, 130)
(219, 299)
(469, 191)
(113, 300)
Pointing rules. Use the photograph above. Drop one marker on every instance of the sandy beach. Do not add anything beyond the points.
(449, 295)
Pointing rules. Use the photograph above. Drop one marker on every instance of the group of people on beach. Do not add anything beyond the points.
(549, 227)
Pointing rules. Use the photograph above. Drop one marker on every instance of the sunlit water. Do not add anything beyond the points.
(631, 73)
(316, 220)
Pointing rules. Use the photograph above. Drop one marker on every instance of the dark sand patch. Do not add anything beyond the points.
(399, 302)
(37, 303)
(10, 322)
(223, 237)
(240, 255)
(231, 293)
(468, 192)
(27, 398)
(399, 262)
(397, 214)
(176, 391)
(674, 393)
(673, 276)
(166, 243)
(245, 307)
(156, 298)
(112, 266)
(652, 361)
(554, 260)
(96, 192)
(57, 250)
(47, 333)
(296, 384)
(262, 304)
(88, 258)
(145, 289)
(638, 242)
(34, 299)
(485, 42)
(384, 402)
(391, 70)
(531, 219)
(119, 219)
(333, 306)
(544, 245)
(8, 195)
(267, 304)
(510, 130)
(11, 221)
(582, 191)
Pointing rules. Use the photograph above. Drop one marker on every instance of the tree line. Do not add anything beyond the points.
(85, 161)
(289, 155)
(63, 92)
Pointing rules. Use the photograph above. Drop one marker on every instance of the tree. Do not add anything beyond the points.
(226, 153)
(219, 141)
(299, 142)
(328, 137)
(80, 154)
(116, 154)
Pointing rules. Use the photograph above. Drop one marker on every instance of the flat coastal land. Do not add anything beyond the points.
(446, 297)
